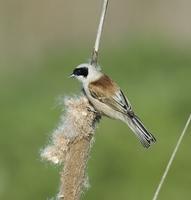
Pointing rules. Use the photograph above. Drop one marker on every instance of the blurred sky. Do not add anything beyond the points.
(145, 47)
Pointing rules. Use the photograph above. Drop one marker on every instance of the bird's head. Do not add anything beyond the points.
(86, 73)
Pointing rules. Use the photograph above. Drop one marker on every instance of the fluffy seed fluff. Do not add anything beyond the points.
(70, 145)
(77, 121)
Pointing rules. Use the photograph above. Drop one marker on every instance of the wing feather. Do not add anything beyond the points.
(107, 92)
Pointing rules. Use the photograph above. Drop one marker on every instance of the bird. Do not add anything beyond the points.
(108, 100)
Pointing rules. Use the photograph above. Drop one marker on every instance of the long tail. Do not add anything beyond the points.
(145, 137)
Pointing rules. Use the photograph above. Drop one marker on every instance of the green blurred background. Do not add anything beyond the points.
(146, 48)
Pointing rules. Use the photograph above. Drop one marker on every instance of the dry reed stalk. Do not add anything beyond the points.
(71, 144)
(156, 194)
(94, 58)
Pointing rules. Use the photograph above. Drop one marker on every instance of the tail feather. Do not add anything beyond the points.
(145, 137)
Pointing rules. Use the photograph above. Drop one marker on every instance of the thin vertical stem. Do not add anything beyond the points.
(171, 159)
(99, 32)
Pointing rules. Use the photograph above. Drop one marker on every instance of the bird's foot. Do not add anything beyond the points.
(91, 109)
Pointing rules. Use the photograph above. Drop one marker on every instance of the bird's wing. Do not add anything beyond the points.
(122, 101)
(114, 99)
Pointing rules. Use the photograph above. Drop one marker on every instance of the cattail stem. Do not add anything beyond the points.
(94, 58)
(71, 144)
(73, 175)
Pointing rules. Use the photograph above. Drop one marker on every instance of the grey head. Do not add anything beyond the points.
(86, 73)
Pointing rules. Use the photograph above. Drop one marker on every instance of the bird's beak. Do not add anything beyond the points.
(71, 75)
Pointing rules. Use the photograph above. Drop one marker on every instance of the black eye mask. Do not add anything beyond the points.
(83, 71)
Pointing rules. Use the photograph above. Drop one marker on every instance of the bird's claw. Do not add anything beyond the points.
(91, 109)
